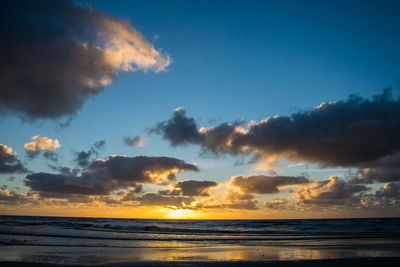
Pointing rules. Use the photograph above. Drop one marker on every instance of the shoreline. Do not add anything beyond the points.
(365, 262)
(204, 219)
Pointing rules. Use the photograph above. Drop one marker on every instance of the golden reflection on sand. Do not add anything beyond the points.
(178, 253)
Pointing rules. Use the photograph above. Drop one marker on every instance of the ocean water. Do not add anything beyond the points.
(99, 240)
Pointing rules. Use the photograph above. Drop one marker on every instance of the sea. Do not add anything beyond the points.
(103, 240)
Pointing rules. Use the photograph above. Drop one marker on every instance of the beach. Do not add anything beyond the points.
(34, 241)
(366, 262)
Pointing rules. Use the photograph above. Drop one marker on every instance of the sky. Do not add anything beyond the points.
(200, 109)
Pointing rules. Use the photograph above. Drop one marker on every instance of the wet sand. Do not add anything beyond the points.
(364, 262)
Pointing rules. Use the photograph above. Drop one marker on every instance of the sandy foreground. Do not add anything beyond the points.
(365, 262)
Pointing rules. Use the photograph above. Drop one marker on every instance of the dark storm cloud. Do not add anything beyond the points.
(84, 158)
(356, 133)
(104, 176)
(57, 54)
(195, 188)
(9, 162)
(332, 191)
(261, 184)
(136, 141)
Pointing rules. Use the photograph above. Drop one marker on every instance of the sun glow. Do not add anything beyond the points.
(180, 214)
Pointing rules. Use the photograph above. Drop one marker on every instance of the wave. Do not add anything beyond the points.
(201, 238)
(137, 229)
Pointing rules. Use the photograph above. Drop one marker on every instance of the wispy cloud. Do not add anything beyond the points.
(136, 141)
(84, 158)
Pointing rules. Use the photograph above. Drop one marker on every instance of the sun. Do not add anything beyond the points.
(174, 213)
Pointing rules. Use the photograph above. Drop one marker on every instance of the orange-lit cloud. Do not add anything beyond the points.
(105, 176)
(45, 144)
(126, 49)
(332, 191)
(327, 198)
(42, 143)
(8, 161)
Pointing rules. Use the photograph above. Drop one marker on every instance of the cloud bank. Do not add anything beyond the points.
(332, 191)
(356, 133)
(195, 188)
(8, 197)
(105, 176)
(261, 184)
(57, 54)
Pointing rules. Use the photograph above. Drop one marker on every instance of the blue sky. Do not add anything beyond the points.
(232, 60)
